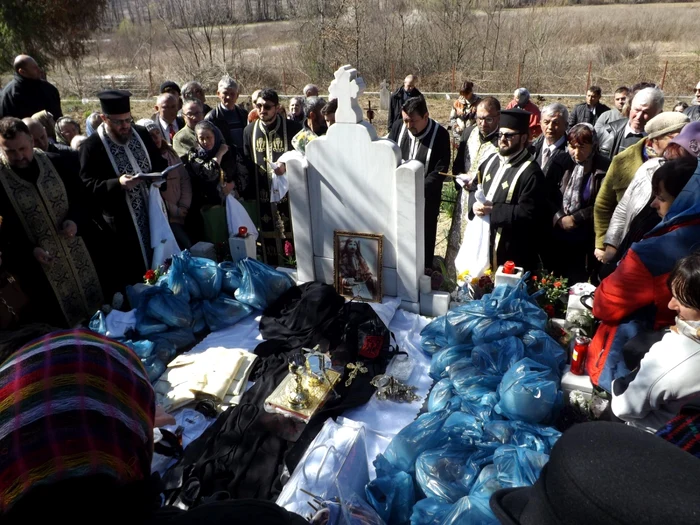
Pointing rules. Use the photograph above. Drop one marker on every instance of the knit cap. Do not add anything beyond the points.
(73, 404)
(666, 122)
(147, 123)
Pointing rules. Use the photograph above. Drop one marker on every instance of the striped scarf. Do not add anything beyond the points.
(73, 404)
(684, 431)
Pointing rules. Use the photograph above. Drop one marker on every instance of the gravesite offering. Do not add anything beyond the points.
(266, 262)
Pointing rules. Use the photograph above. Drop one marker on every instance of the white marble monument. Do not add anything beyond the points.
(384, 96)
(354, 181)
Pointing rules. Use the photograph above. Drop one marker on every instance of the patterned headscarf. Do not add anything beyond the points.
(73, 404)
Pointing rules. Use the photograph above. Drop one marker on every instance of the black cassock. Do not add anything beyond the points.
(432, 148)
(518, 218)
(125, 211)
(263, 143)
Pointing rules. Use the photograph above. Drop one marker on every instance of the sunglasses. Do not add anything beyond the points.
(266, 107)
(508, 136)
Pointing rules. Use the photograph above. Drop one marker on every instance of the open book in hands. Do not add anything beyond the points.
(163, 173)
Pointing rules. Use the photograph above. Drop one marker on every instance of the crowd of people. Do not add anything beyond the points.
(607, 195)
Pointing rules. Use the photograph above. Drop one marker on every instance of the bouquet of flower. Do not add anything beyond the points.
(152, 276)
(472, 288)
(555, 292)
(289, 258)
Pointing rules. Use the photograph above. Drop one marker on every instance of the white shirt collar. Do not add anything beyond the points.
(629, 131)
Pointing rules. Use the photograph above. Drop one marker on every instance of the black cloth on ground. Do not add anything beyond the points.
(243, 453)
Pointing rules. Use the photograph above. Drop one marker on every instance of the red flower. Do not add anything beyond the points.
(557, 284)
(544, 281)
(288, 249)
(534, 278)
(549, 310)
(150, 275)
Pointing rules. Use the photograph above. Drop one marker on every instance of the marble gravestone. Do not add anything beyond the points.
(384, 96)
(352, 180)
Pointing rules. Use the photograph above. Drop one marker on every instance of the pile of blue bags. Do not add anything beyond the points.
(195, 295)
(498, 377)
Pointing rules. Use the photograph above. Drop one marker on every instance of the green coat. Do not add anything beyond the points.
(183, 141)
(619, 176)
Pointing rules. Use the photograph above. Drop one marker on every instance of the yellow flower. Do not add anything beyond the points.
(463, 276)
(475, 281)
(488, 272)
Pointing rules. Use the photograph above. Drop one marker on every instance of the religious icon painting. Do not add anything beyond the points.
(357, 265)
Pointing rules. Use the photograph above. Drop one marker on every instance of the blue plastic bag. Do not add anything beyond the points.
(496, 357)
(231, 277)
(534, 437)
(148, 326)
(445, 357)
(154, 368)
(143, 349)
(170, 309)
(392, 497)
(206, 274)
(482, 408)
(471, 385)
(494, 329)
(441, 395)
(462, 429)
(180, 338)
(486, 484)
(223, 312)
(429, 511)
(432, 337)
(178, 280)
(529, 392)
(518, 466)
(446, 473)
(470, 511)
(198, 322)
(98, 323)
(261, 285)
(540, 347)
(135, 293)
(419, 436)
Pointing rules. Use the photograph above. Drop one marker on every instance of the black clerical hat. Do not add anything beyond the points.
(516, 119)
(607, 473)
(114, 101)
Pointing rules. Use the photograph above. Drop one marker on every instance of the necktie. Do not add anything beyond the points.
(546, 152)
(171, 131)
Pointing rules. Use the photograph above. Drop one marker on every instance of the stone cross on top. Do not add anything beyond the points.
(347, 87)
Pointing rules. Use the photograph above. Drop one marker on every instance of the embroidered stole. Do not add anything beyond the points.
(41, 209)
(275, 217)
(132, 158)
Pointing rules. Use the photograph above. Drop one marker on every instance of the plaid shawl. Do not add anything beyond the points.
(73, 404)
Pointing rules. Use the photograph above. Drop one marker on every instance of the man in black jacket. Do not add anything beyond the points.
(549, 149)
(28, 93)
(421, 138)
(230, 118)
(400, 96)
(590, 110)
(693, 111)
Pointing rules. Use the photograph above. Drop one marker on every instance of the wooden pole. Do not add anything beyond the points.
(520, 70)
(150, 83)
(392, 77)
(588, 80)
(453, 78)
(663, 78)
(284, 81)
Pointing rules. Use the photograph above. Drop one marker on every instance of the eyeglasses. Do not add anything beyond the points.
(266, 107)
(508, 136)
(697, 90)
(190, 114)
(488, 120)
(120, 121)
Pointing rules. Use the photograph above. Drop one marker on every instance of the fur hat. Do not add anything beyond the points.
(666, 122)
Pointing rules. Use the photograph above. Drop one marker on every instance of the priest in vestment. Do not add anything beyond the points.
(46, 231)
(264, 142)
(421, 138)
(515, 193)
(113, 161)
(478, 143)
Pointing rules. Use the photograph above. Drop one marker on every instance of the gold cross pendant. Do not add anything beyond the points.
(355, 368)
